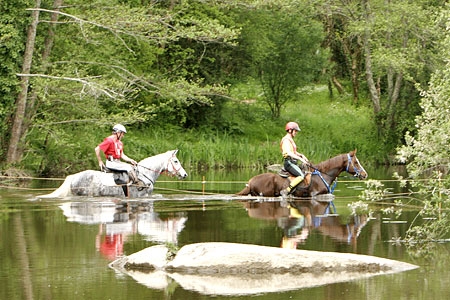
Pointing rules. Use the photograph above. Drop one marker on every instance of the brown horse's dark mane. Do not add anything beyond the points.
(331, 163)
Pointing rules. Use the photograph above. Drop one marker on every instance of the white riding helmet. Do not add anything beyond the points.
(119, 128)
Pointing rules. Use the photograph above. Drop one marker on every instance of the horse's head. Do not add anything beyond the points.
(354, 167)
(174, 166)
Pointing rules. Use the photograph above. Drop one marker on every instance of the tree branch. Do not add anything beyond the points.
(94, 86)
(81, 22)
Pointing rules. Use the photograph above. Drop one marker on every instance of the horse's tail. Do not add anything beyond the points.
(246, 191)
(62, 191)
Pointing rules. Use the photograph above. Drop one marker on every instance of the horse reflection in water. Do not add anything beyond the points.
(121, 219)
(299, 218)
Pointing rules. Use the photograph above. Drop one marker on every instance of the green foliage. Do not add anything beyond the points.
(110, 69)
(13, 18)
(428, 156)
(173, 73)
(284, 46)
(374, 192)
(385, 48)
(250, 140)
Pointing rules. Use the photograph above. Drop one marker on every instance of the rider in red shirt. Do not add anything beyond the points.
(112, 147)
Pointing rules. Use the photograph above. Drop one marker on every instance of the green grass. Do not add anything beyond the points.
(329, 127)
(251, 139)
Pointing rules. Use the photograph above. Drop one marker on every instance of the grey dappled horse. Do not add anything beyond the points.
(96, 183)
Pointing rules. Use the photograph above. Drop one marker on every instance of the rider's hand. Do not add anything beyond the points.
(101, 165)
(133, 162)
(303, 159)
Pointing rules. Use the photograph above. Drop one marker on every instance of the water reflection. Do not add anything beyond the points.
(298, 218)
(120, 219)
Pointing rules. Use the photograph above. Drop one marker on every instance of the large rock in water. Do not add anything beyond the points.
(237, 269)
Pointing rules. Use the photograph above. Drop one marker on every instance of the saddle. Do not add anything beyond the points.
(306, 181)
(120, 177)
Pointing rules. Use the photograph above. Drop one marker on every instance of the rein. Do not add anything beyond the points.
(143, 174)
(332, 188)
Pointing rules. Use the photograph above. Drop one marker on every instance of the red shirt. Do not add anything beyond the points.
(112, 146)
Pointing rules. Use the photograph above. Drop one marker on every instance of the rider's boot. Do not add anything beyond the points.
(133, 176)
(291, 186)
(135, 180)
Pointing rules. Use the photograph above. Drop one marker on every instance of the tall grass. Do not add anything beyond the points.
(251, 140)
(329, 127)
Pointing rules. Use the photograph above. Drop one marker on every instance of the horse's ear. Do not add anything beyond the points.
(352, 153)
(174, 152)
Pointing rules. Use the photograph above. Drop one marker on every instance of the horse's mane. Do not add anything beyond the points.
(157, 157)
(331, 163)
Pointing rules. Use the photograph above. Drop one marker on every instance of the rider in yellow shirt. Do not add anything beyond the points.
(291, 156)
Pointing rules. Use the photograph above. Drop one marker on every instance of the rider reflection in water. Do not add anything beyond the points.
(112, 147)
(291, 156)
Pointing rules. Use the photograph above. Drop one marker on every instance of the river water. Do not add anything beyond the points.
(61, 249)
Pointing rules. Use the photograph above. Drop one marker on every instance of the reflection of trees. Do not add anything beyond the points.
(23, 257)
(46, 257)
(428, 221)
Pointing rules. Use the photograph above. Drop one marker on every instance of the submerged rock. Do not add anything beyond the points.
(234, 269)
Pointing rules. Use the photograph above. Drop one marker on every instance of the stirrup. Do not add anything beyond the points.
(283, 173)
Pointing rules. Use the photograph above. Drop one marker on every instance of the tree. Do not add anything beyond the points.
(104, 57)
(14, 20)
(392, 44)
(14, 153)
(284, 46)
(427, 153)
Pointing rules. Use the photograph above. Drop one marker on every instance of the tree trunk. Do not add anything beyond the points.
(374, 95)
(14, 149)
(352, 50)
(355, 74)
(48, 45)
(394, 99)
(337, 85)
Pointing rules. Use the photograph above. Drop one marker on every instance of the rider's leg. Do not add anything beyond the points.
(294, 183)
(121, 166)
(294, 169)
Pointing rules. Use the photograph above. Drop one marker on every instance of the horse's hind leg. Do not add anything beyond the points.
(246, 191)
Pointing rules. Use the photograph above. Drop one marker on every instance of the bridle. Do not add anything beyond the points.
(169, 162)
(350, 163)
(172, 163)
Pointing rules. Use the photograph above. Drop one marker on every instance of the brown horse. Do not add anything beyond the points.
(318, 181)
